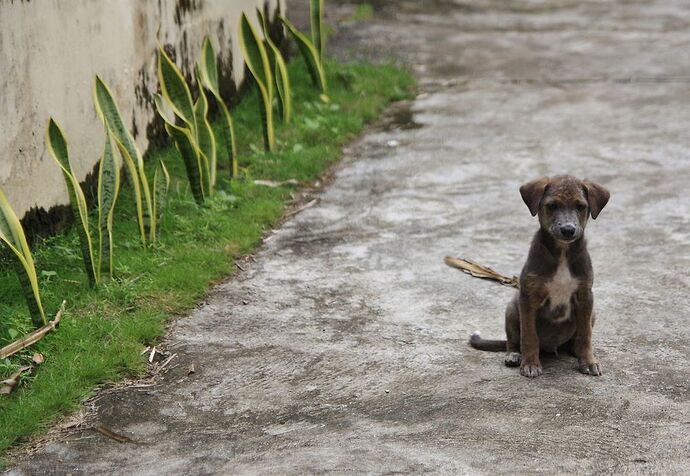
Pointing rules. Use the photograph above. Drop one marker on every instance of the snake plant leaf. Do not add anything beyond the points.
(284, 91)
(162, 109)
(318, 36)
(208, 70)
(280, 72)
(109, 113)
(205, 138)
(12, 234)
(311, 57)
(108, 190)
(143, 216)
(256, 58)
(175, 89)
(57, 146)
(208, 67)
(186, 145)
(161, 186)
(229, 134)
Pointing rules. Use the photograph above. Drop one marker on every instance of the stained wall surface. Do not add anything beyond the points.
(50, 52)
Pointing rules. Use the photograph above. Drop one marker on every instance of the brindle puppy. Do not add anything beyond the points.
(553, 308)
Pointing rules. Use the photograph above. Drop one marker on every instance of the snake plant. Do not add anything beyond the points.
(12, 235)
(57, 146)
(208, 72)
(109, 113)
(281, 77)
(194, 129)
(256, 58)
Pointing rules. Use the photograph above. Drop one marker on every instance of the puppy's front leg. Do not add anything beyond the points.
(583, 333)
(529, 340)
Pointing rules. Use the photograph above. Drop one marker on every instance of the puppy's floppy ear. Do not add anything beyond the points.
(532, 193)
(597, 196)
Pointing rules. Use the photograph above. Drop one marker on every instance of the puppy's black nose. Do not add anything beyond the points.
(568, 231)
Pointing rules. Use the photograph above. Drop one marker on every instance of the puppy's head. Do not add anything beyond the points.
(564, 204)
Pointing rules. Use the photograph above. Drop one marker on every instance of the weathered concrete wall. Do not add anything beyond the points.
(51, 50)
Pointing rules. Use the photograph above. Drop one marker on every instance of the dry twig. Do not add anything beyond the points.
(115, 436)
(294, 212)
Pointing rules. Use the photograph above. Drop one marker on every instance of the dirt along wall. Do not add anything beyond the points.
(50, 52)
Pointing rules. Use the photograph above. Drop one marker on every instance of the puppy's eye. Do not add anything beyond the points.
(552, 207)
(581, 207)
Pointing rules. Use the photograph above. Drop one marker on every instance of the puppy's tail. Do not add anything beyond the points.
(477, 342)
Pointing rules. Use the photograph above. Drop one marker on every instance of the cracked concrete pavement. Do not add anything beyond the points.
(350, 354)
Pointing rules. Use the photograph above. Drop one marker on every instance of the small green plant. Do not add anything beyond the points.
(109, 113)
(12, 235)
(280, 72)
(57, 146)
(312, 57)
(108, 190)
(208, 72)
(256, 58)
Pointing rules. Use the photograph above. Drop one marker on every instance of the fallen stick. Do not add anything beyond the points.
(294, 212)
(483, 272)
(33, 337)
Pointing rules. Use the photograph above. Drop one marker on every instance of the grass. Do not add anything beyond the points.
(104, 331)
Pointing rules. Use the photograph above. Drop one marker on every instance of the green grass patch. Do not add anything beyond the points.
(104, 330)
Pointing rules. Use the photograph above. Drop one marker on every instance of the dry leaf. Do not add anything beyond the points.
(38, 358)
(8, 384)
(479, 271)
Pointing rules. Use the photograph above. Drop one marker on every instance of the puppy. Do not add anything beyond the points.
(553, 308)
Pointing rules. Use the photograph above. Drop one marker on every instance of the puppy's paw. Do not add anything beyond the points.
(591, 368)
(513, 359)
(530, 370)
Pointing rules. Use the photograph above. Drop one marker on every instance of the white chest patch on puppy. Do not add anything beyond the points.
(561, 288)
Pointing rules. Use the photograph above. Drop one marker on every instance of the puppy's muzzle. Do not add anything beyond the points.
(568, 231)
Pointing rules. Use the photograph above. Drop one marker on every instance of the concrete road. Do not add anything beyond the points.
(350, 354)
